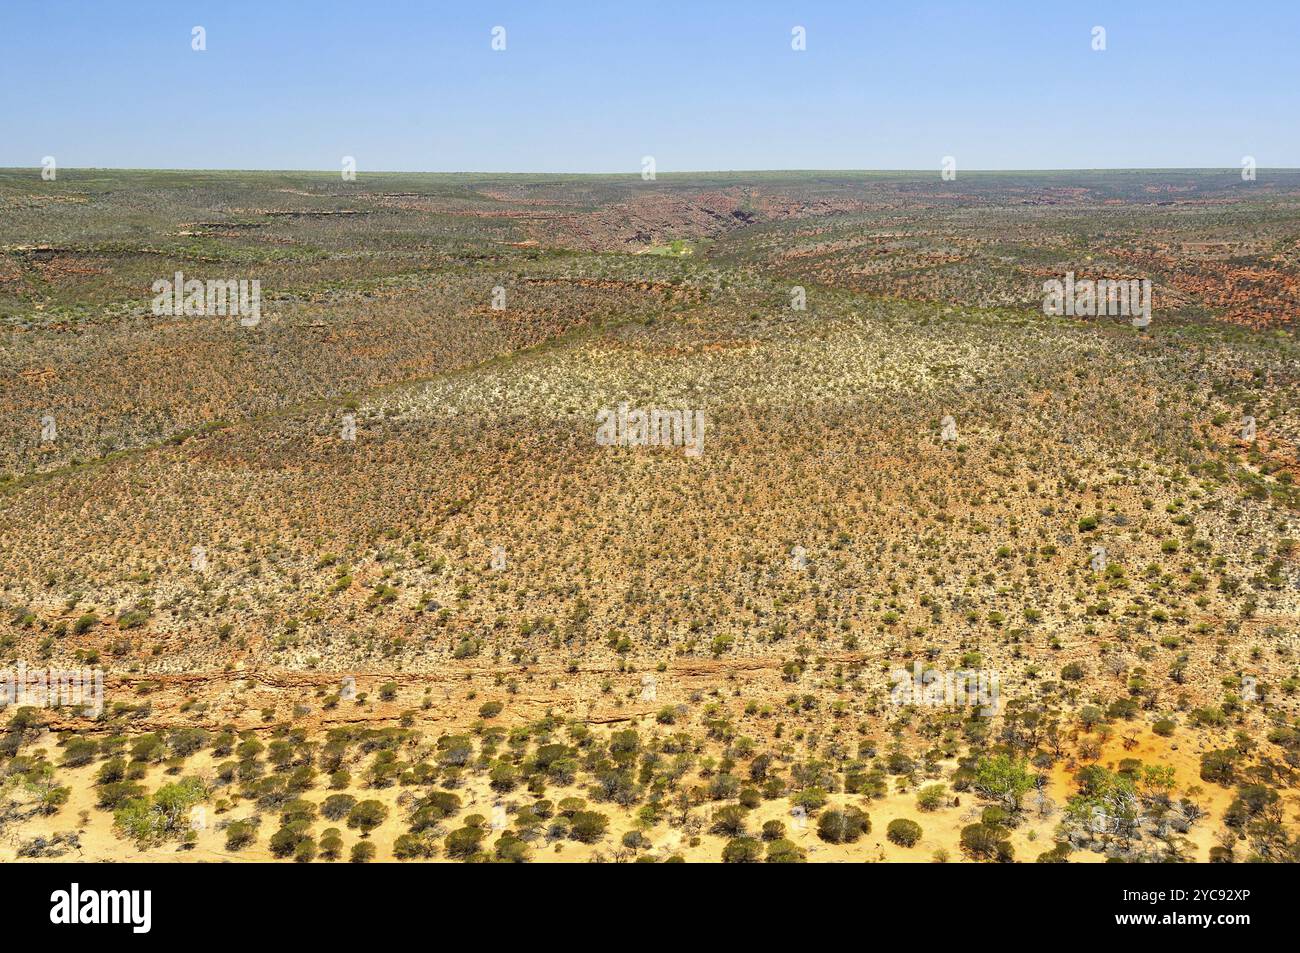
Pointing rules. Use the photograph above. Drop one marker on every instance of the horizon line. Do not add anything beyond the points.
(637, 174)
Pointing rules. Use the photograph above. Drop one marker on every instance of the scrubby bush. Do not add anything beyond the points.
(931, 797)
(239, 834)
(843, 826)
(742, 850)
(463, 843)
(588, 826)
(366, 816)
(982, 842)
(331, 844)
(338, 806)
(782, 851)
(903, 832)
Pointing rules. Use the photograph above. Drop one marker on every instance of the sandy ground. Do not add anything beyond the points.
(941, 828)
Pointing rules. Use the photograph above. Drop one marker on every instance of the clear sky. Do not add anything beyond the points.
(593, 87)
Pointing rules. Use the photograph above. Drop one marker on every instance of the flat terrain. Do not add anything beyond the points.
(426, 596)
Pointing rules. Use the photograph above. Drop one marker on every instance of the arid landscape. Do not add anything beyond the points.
(389, 571)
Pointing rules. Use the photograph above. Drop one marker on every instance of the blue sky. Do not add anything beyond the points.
(593, 87)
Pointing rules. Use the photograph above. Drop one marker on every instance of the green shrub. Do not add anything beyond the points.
(903, 832)
(782, 851)
(239, 834)
(931, 797)
(463, 843)
(331, 844)
(742, 850)
(588, 826)
(338, 806)
(367, 815)
(843, 826)
(410, 846)
(982, 842)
